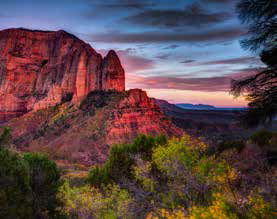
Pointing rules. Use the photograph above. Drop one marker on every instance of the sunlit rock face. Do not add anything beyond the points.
(138, 114)
(84, 133)
(113, 75)
(42, 68)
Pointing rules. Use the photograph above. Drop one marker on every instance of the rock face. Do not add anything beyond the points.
(71, 103)
(42, 68)
(113, 75)
(84, 133)
(138, 114)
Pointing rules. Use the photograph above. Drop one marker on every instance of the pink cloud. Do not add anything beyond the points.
(207, 84)
(131, 62)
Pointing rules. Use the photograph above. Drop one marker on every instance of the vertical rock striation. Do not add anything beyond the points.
(113, 75)
(43, 68)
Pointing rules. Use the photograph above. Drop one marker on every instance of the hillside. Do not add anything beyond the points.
(60, 97)
(213, 125)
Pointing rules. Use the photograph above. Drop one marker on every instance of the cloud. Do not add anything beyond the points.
(132, 62)
(241, 60)
(163, 57)
(171, 47)
(219, 1)
(188, 61)
(192, 16)
(169, 37)
(193, 84)
(123, 4)
(206, 84)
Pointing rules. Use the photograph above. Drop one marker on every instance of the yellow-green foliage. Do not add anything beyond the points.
(257, 208)
(86, 201)
(143, 176)
(219, 209)
(120, 160)
(189, 155)
(150, 178)
(189, 170)
(166, 214)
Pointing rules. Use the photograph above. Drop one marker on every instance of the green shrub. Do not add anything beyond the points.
(144, 145)
(238, 145)
(191, 173)
(98, 176)
(5, 136)
(44, 182)
(88, 202)
(262, 137)
(120, 160)
(118, 164)
(15, 191)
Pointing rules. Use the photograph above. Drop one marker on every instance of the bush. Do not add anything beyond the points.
(88, 202)
(120, 160)
(98, 176)
(44, 182)
(15, 191)
(5, 136)
(118, 164)
(238, 145)
(191, 173)
(262, 137)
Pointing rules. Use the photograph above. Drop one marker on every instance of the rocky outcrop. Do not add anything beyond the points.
(42, 68)
(138, 114)
(85, 133)
(84, 107)
(113, 75)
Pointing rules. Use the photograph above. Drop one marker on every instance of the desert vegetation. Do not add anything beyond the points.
(152, 177)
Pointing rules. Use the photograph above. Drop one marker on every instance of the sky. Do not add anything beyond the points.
(183, 51)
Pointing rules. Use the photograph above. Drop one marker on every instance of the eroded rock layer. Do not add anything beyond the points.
(42, 68)
(84, 133)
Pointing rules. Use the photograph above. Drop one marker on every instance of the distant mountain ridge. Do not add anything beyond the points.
(209, 122)
(195, 106)
(205, 107)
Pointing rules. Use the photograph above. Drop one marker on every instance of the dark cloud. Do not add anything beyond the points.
(244, 72)
(188, 61)
(219, 1)
(123, 4)
(163, 57)
(172, 47)
(113, 10)
(193, 16)
(241, 60)
(165, 37)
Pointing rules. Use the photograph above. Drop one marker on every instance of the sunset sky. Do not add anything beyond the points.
(178, 50)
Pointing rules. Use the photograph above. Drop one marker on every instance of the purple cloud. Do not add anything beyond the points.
(166, 37)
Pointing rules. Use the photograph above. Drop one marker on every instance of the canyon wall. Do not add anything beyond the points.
(42, 68)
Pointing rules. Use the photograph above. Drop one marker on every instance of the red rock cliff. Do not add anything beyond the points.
(85, 133)
(113, 75)
(42, 68)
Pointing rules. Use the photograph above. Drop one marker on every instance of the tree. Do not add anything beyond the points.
(15, 190)
(260, 88)
(44, 182)
(260, 16)
(5, 137)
